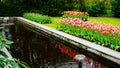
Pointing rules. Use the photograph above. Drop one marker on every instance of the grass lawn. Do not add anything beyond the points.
(54, 23)
(106, 20)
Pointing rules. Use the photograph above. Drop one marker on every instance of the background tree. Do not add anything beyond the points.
(82, 5)
(116, 8)
(47, 7)
(56, 7)
(97, 8)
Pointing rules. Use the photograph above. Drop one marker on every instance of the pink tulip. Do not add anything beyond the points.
(115, 30)
(105, 28)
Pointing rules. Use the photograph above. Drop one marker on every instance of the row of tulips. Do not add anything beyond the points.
(102, 34)
(75, 14)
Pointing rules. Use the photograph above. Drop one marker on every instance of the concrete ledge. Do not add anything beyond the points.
(77, 42)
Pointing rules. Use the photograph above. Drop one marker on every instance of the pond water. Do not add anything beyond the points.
(40, 51)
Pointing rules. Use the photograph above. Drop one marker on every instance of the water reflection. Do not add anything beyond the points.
(42, 52)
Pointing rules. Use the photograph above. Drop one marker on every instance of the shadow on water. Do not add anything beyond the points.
(43, 52)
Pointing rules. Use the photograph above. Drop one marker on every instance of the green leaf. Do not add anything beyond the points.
(2, 45)
(112, 46)
(117, 47)
(8, 42)
(103, 44)
(3, 54)
(15, 65)
(7, 46)
(1, 62)
(24, 65)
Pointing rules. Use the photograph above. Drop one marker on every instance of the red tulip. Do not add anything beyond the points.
(105, 32)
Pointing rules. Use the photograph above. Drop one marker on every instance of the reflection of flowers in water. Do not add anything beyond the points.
(87, 62)
(65, 50)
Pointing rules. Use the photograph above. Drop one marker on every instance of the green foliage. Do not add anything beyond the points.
(116, 8)
(12, 63)
(37, 18)
(5, 61)
(12, 8)
(45, 7)
(96, 8)
(4, 42)
(3, 54)
(55, 7)
(82, 5)
(84, 17)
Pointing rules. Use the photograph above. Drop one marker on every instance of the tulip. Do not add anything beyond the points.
(93, 31)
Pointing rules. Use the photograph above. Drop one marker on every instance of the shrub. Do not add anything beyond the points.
(75, 14)
(96, 9)
(116, 8)
(37, 18)
(105, 35)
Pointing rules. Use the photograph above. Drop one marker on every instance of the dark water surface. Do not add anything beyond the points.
(40, 51)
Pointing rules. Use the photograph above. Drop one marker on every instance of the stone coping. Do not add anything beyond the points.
(78, 42)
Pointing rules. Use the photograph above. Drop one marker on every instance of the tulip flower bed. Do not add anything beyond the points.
(76, 14)
(102, 34)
